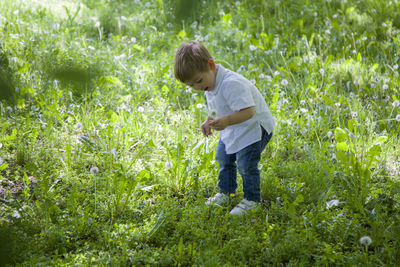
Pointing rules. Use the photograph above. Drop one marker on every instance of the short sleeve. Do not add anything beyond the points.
(238, 95)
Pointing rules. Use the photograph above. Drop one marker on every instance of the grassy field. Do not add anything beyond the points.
(102, 161)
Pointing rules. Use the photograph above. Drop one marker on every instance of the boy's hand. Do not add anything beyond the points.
(220, 123)
(205, 127)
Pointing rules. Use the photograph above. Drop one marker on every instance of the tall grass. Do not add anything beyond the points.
(102, 161)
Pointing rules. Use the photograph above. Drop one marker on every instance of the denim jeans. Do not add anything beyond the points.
(247, 162)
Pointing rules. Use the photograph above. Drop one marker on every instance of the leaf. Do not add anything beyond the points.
(182, 35)
(381, 140)
(3, 166)
(342, 146)
(340, 135)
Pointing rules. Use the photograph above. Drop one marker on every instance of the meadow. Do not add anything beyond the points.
(102, 161)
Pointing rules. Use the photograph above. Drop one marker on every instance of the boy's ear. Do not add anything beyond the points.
(211, 63)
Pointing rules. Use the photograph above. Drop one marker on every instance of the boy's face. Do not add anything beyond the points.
(204, 81)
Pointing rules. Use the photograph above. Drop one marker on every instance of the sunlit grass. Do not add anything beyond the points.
(120, 170)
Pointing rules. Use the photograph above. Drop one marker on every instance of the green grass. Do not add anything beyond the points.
(102, 161)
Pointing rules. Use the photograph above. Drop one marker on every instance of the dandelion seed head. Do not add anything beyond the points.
(199, 106)
(94, 170)
(284, 82)
(140, 109)
(385, 87)
(365, 240)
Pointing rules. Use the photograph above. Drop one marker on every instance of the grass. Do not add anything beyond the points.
(102, 161)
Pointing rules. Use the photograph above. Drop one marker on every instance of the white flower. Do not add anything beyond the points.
(91, 47)
(398, 118)
(276, 73)
(94, 170)
(284, 82)
(332, 203)
(384, 24)
(337, 105)
(329, 134)
(395, 104)
(322, 72)
(315, 14)
(303, 110)
(395, 67)
(1, 160)
(354, 114)
(16, 12)
(221, 13)
(97, 24)
(252, 47)
(168, 165)
(199, 106)
(140, 109)
(365, 240)
(16, 214)
(114, 152)
(385, 87)
(78, 125)
(302, 102)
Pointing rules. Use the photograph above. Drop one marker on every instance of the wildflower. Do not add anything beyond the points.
(168, 165)
(398, 118)
(194, 25)
(337, 105)
(94, 170)
(253, 48)
(276, 73)
(232, 194)
(332, 203)
(395, 104)
(364, 38)
(78, 125)
(329, 134)
(354, 114)
(221, 13)
(16, 214)
(303, 110)
(395, 67)
(384, 24)
(365, 240)
(1, 160)
(385, 87)
(97, 24)
(284, 82)
(91, 47)
(140, 109)
(302, 102)
(199, 106)
(322, 72)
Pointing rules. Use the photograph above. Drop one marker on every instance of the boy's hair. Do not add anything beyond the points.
(190, 58)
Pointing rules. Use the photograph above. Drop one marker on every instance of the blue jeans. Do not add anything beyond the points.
(247, 162)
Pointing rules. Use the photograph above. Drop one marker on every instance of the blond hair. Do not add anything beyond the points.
(190, 58)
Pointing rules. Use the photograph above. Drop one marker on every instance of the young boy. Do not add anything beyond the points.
(242, 118)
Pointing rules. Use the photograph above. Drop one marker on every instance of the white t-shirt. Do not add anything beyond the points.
(233, 92)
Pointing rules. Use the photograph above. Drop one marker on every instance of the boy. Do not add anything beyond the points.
(242, 118)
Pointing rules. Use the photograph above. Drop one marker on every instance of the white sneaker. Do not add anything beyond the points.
(243, 207)
(219, 199)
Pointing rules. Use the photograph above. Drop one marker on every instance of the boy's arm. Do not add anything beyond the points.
(231, 119)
